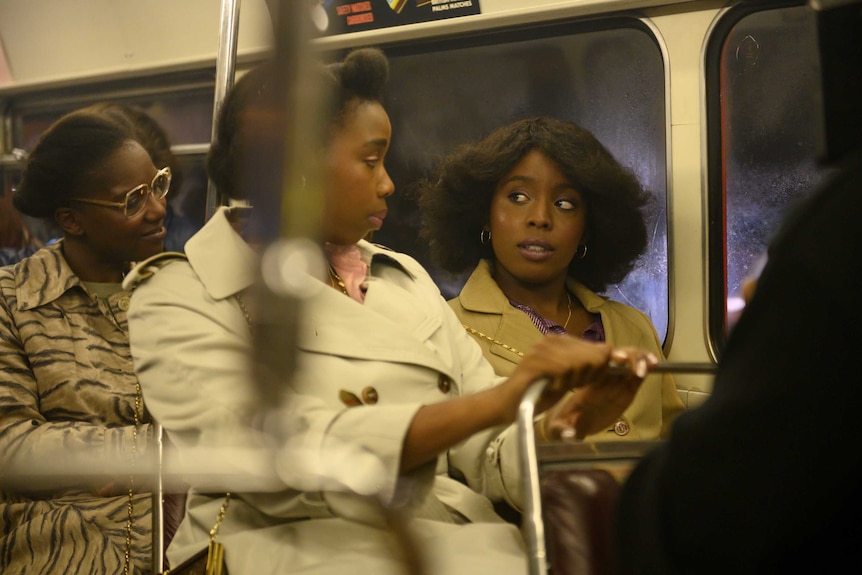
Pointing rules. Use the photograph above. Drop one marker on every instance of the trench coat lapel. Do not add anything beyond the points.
(394, 324)
(481, 294)
(225, 263)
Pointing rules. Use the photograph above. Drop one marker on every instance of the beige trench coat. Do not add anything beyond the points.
(402, 348)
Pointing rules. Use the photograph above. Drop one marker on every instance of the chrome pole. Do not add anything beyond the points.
(533, 527)
(158, 551)
(225, 70)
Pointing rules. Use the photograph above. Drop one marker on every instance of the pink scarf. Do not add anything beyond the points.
(347, 263)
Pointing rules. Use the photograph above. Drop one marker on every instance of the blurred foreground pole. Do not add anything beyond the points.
(284, 190)
(287, 194)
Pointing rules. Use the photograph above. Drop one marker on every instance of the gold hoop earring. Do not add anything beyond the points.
(483, 238)
(581, 255)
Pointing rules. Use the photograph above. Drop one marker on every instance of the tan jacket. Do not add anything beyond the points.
(505, 331)
(67, 391)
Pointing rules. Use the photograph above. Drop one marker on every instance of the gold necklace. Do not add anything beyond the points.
(336, 281)
(245, 313)
(568, 305)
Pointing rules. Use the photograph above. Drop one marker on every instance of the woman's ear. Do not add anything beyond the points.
(69, 222)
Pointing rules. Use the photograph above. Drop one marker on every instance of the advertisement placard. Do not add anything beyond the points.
(342, 16)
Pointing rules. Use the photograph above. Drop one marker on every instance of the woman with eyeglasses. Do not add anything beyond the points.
(154, 138)
(71, 409)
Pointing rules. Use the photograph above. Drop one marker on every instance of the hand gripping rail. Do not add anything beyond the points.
(562, 456)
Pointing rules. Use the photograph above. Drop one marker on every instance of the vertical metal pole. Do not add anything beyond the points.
(157, 448)
(225, 69)
(533, 527)
(290, 222)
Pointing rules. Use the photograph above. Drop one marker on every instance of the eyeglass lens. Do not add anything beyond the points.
(137, 198)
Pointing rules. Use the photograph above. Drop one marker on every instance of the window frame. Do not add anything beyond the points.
(716, 204)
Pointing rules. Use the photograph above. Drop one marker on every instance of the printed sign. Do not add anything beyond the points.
(343, 16)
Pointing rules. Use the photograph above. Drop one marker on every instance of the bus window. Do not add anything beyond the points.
(607, 77)
(763, 116)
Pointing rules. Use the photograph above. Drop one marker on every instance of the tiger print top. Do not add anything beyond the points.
(67, 389)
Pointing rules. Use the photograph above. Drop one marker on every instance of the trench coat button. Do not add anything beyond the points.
(369, 396)
(349, 399)
(622, 427)
(123, 304)
(444, 384)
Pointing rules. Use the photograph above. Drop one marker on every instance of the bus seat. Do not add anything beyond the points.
(578, 509)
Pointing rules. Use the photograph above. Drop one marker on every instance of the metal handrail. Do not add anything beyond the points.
(158, 497)
(532, 522)
(533, 528)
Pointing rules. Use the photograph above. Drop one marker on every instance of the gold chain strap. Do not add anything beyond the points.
(220, 517)
(542, 433)
(478, 333)
(215, 552)
(127, 554)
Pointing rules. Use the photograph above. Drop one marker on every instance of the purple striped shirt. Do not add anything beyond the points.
(595, 331)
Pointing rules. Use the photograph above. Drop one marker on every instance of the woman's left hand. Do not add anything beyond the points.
(593, 407)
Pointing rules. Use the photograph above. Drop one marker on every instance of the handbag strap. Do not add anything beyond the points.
(220, 517)
(481, 335)
(130, 506)
(223, 509)
(215, 552)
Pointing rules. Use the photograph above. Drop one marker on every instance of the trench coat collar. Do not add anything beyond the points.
(221, 258)
(329, 322)
(398, 311)
(481, 294)
(227, 265)
(43, 277)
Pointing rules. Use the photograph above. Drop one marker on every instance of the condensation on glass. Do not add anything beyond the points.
(610, 80)
(769, 83)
